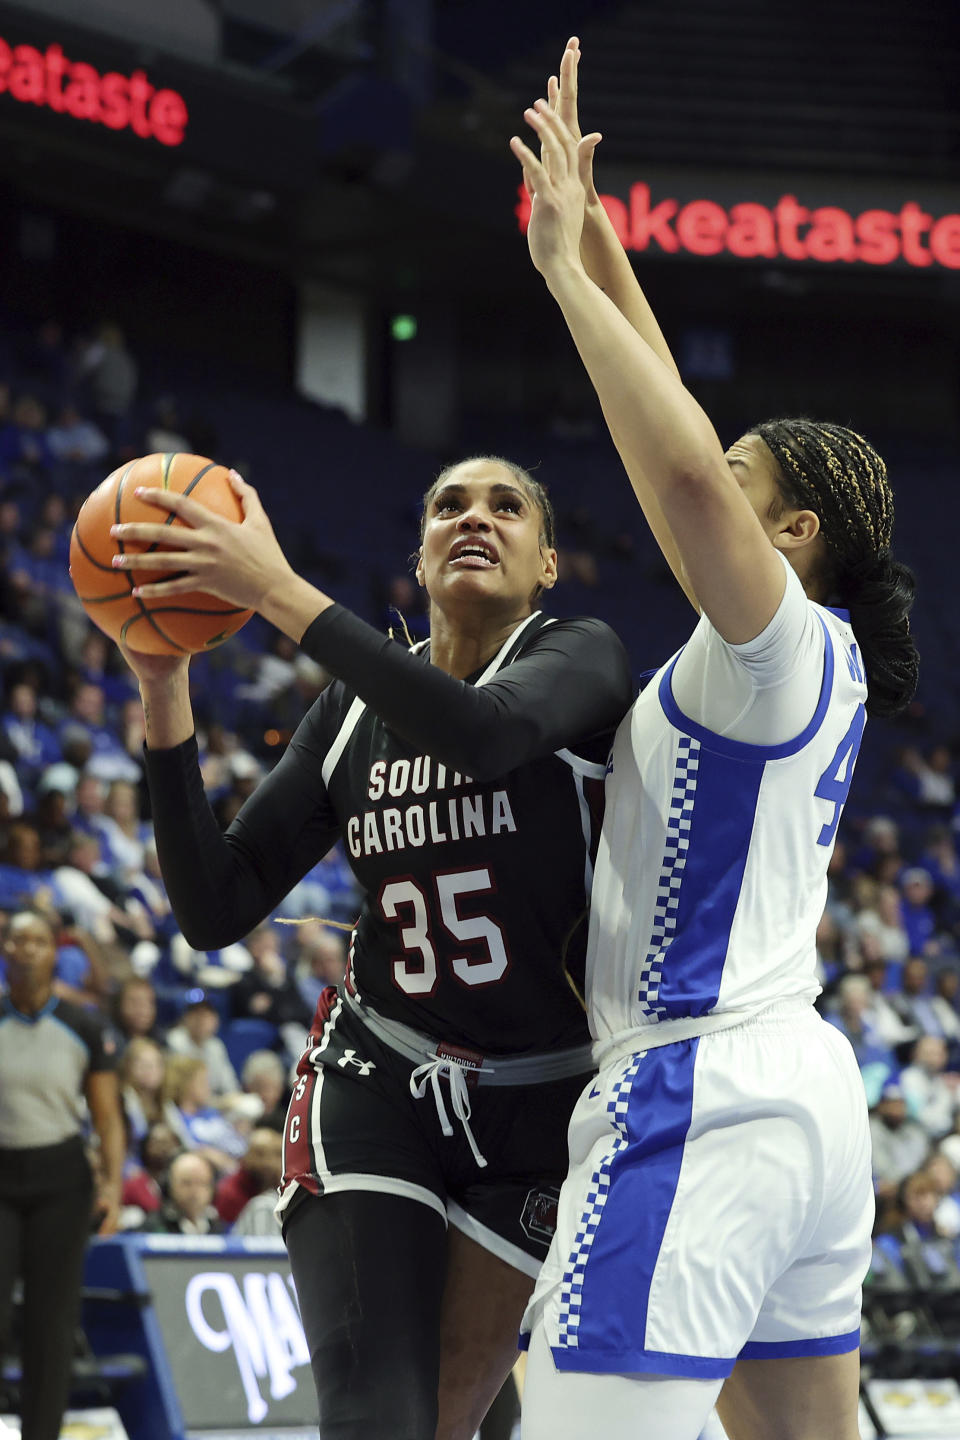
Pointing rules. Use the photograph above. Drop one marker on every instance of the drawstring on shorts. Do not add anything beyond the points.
(443, 1066)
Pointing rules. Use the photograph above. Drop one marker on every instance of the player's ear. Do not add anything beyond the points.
(548, 568)
(419, 570)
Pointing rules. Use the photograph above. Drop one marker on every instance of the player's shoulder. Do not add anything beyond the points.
(579, 631)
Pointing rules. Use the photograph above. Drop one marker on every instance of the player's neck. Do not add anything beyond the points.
(461, 648)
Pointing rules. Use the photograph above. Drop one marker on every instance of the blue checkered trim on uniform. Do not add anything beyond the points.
(571, 1287)
(671, 875)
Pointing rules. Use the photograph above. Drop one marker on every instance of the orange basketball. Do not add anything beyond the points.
(183, 624)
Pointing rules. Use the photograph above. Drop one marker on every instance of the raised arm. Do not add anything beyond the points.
(666, 442)
(608, 266)
(603, 256)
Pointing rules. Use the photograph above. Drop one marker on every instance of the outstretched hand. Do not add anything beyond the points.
(241, 564)
(556, 187)
(562, 95)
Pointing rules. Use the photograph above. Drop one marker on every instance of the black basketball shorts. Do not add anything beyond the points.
(353, 1124)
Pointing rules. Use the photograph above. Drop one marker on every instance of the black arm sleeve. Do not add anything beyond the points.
(223, 884)
(572, 682)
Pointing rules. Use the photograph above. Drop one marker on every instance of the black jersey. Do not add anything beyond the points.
(475, 871)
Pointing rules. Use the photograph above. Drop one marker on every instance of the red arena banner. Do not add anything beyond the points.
(47, 78)
(660, 224)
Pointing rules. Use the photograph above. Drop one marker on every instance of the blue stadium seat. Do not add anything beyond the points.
(242, 1037)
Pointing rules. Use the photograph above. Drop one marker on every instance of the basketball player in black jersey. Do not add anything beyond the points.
(426, 1138)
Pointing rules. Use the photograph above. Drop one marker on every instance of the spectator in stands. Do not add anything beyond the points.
(21, 878)
(935, 786)
(123, 835)
(881, 841)
(900, 1144)
(76, 441)
(930, 1095)
(917, 1201)
(109, 761)
(89, 800)
(914, 1004)
(96, 902)
(143, 1186)
(110, 376)
(883, 920)
(265, 1077)
(259, 1170)
(876, 1059)
(941, 860)
(148, 887)
(53, 822)
(947, 986)
(196, 1036)
(82, 974)
(43, 362)
(839, 885)
(882, 1015)
(25, 454)
(268, 992)
(35, 745)
(166, 432)
(946, 1217)
(188, 1207)
(198, 1125)
(97, 665)
(65, 774)
(319, 960)
(135, 1009)
(11, 800)
(142, 1071)
(917, 911)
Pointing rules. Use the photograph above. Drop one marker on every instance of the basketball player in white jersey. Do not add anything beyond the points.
(714, 1228)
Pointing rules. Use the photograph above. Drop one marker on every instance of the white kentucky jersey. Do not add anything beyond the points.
(725, 789)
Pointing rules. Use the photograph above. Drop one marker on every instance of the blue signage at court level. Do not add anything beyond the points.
(217, 1321)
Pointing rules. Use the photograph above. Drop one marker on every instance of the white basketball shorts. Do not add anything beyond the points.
(719, 1205)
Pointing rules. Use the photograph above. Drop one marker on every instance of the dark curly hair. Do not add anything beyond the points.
(837, 474)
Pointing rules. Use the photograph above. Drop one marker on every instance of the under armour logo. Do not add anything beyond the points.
(349, 1057)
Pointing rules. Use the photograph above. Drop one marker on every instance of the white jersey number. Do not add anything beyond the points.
(406, 901)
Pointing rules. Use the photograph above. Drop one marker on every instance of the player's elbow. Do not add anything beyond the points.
(210, 931)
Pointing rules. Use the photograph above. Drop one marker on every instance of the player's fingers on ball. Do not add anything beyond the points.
(129, 531)
(182, 505)
(164, 589)
(247, 495)
(148, 560)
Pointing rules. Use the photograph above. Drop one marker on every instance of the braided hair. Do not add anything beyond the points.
(536, 491)
(837, 474)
